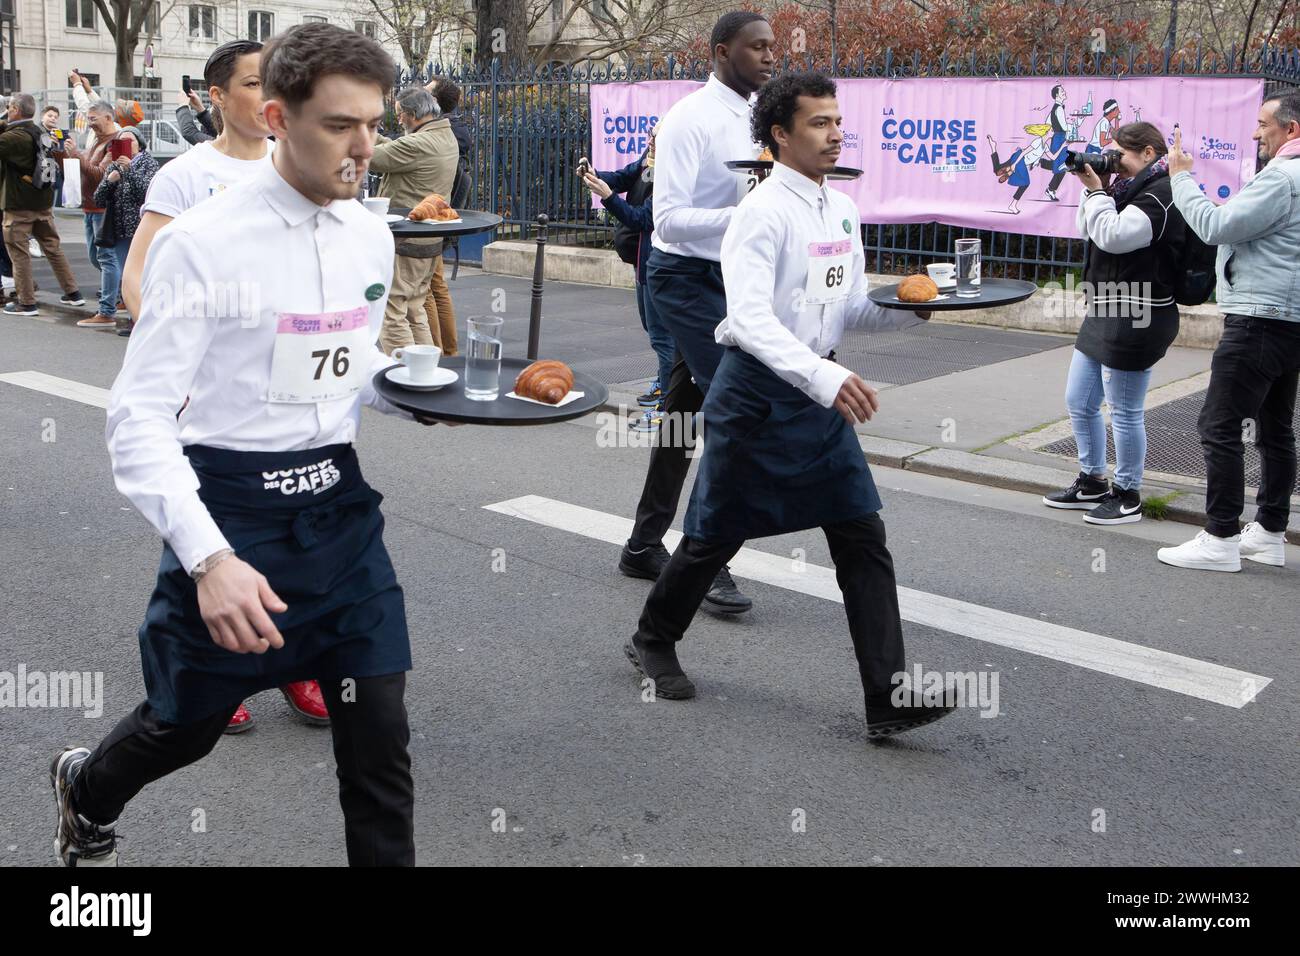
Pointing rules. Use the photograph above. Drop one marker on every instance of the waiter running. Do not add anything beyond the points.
(780, 452)
(695, 195)
(274, 567)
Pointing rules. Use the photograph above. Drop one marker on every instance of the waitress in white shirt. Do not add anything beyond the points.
(274, 567)
(695, 195)
(780, 453)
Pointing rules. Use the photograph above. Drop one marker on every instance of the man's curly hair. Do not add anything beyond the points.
(779, 100)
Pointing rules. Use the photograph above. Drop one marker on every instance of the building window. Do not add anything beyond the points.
(203, 22)
(311, 19)
(80, 14)
(151, 20)
(11, 81)
(365, 27)
(261, 25)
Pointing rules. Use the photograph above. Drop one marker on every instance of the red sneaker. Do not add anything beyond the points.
(242, 721)
(306, 700)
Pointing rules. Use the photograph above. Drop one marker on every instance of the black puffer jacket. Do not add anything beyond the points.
(1132, 317)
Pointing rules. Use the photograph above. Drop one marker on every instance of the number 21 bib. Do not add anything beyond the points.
(319, 358)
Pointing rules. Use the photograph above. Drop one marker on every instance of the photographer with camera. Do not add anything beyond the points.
(1136, 238)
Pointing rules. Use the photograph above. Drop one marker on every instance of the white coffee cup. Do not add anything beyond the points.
(421, 361)
(378, 205)
(943, 273)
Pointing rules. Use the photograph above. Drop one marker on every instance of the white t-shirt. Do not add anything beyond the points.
(199, 172)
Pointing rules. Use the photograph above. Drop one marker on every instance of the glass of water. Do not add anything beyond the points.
(483, 358)
(968, 267)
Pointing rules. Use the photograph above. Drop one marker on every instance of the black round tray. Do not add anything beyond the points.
(450, 404)
(474, 221)
(764, 165)
(993, 292)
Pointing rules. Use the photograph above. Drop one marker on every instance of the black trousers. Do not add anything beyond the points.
(864, 570)
(1253, 378)
(690, 300)
(370, 747)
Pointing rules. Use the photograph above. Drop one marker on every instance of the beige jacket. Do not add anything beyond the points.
(415, 165)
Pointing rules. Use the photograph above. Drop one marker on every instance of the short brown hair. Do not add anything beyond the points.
(294, 60)
(1138, 136)
(446, 93)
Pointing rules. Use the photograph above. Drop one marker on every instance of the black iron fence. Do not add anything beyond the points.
(531, 124)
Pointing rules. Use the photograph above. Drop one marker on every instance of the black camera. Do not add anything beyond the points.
(1102, 163)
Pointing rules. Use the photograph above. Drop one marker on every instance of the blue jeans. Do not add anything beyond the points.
(121, 250)
(103, 258)
(661, 340)
(1125, 393)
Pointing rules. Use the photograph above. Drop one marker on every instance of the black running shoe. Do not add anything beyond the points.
(658, 661)
(889, 719)
(1086, 493)
(724, 597)
(653, 395)
(646, 563)
(1118, 507)
(18, 308)
(77, 841)
(72, 298)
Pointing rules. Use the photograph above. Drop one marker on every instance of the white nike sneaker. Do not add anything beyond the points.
(1266, 547)
(1205, 552)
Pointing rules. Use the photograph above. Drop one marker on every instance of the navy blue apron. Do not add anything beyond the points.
(774, 460)
(308, 521)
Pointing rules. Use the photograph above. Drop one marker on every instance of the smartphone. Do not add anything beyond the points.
(185, 85)
(119, 148)
(584, 166)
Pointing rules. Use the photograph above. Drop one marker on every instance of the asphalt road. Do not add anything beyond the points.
(521, 701)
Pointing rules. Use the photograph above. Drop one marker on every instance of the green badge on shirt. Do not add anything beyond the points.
(847, 227)
(374, 292)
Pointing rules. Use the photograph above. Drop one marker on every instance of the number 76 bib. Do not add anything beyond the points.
(830, 272)
(319, 358)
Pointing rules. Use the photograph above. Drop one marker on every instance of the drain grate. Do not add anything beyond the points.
(1173, 444)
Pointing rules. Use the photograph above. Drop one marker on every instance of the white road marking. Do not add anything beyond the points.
(1144, 665)
(61, 387)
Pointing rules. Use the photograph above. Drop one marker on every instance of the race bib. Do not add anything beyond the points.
(319, 358)
(830, 272)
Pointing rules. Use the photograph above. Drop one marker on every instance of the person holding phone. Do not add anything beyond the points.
(194, 119)
(122, 192)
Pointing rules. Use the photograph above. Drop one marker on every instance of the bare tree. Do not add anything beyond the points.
(600, 29)
(501, 31)
(126, 20)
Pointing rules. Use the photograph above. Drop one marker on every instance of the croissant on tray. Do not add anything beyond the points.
(433, 207)
(546, 381)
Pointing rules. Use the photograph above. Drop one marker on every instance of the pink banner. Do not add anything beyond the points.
(927, 146)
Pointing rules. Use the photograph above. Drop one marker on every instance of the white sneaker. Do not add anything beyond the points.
(1266, 547)
(34, 249)
(1205, 552)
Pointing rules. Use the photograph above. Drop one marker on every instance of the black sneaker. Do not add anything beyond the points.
(658, 661)
(724, 598)
(72, 298)
(17, 308)
(1085, 493)
(889, 719)
(124, 324)
(652, 396)
(1118, 507)
(646, 563)
(77, 841)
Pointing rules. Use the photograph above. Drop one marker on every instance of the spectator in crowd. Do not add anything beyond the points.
(50, 120)
(448, 95)
(122, 191)
(1256, 365)
(413, 166)
(194, 119)
(1136, 239)
(94, 163)
(632, 242)
(27, 208)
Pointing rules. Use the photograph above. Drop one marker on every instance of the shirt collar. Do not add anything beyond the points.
(294, 208)
(728, 97)
(800, 185)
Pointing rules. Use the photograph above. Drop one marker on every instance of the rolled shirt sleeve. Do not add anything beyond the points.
(143, 436)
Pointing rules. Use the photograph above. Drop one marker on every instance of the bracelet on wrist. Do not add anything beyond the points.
(210, 562)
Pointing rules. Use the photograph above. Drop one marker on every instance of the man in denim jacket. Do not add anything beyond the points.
(1254, 372)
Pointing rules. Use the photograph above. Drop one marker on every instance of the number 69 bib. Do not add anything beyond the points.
(319, 358)
(830, 272)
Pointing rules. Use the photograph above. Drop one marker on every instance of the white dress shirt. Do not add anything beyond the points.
(695, 193)
(765, 258)
(215, 279)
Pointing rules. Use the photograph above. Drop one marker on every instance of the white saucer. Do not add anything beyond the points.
(393, 217)
(401, 375)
